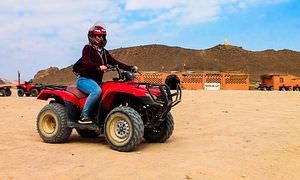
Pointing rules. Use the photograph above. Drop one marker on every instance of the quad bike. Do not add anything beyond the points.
(29, 89)
(5, 91)
(127, 112)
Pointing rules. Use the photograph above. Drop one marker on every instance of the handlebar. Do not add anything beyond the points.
(116, 68)
(112, 67)
(123, 75)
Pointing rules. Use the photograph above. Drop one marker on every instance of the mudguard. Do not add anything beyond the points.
(109, 93)
(64, 95)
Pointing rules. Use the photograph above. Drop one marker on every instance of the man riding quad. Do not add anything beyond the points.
(124, 110)
(95, 59)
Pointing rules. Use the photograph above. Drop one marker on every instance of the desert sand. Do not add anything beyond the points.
(218, 135)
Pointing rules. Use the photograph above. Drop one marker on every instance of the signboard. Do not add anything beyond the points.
(212, 86)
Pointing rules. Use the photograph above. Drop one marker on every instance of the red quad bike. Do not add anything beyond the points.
(127, 113)
(29, 89)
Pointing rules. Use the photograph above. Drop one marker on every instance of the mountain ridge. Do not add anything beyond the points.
(172, 58)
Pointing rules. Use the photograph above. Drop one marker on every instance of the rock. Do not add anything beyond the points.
(4, 81)
(46, 72)
(188, 177)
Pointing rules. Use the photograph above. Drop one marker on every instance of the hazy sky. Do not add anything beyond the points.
(37, 34)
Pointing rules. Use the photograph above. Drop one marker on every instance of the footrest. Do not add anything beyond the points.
(83, 126)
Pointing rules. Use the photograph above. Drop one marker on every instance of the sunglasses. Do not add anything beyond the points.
(100, 35)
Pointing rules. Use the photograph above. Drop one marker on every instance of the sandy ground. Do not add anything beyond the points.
(218, 135)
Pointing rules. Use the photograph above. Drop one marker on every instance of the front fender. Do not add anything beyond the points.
(142, 95)
(108, 96)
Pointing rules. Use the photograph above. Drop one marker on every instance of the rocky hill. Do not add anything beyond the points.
(42, 73)
(4, 81)
(218, 58)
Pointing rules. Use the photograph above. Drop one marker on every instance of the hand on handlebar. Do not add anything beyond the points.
(134, 69)
(103, 68)
(112, 67)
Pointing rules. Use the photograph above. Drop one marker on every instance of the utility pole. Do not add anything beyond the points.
(18, 78)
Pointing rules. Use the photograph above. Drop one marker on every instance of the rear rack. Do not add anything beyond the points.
(53, 87)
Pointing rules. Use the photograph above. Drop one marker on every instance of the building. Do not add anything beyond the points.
(193, 80)
(280, 82)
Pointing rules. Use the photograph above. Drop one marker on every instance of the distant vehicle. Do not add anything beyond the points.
(279, 82)
(265, 88)
(296, 88)
(286, 88)
(29, 89)
(5, 91)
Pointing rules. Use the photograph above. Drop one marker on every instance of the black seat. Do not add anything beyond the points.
(79, 94)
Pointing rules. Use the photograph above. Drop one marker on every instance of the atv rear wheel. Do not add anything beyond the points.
(34, 92)
(87, 133)
(161, 133)
(8, 92)
(2, 92)
(52, 124)
(123, 128)
(20, 92)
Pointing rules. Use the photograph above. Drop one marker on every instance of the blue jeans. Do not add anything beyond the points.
(90, 87)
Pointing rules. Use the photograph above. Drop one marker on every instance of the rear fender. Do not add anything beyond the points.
(71, 103)
(59, 94)
(21, 87)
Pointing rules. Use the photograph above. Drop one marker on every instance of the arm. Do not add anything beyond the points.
(87, 61)
(111, 60)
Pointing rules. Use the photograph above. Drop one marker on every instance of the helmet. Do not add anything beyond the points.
(98, 29)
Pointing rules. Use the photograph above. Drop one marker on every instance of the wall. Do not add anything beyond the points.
(288, 80)
(229, 81)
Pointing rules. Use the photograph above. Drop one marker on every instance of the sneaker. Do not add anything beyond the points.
(85, 120)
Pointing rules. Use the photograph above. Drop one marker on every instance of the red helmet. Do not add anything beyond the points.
(99, 30)
(96, 30)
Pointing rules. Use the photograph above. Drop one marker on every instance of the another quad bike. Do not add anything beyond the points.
(5, 91)
(127, 112)
(29, 89)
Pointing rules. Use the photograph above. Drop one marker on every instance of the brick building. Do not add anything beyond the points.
(193, 80)
(277, 81)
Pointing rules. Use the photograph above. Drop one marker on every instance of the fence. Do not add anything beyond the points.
(191, 80)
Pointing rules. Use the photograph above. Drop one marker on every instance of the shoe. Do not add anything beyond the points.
(85, 120)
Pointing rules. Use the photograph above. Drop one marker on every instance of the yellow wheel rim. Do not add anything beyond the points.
(119, 129)
(48, 123)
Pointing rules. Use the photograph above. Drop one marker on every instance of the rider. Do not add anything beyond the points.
(95, 59)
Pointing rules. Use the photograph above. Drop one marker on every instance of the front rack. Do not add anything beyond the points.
(165, 92)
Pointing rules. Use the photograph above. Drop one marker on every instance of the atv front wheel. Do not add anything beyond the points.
(161, 133)
(34, 92)
(87, 133)
(124, 128)
(21, 92)
(52, 124)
